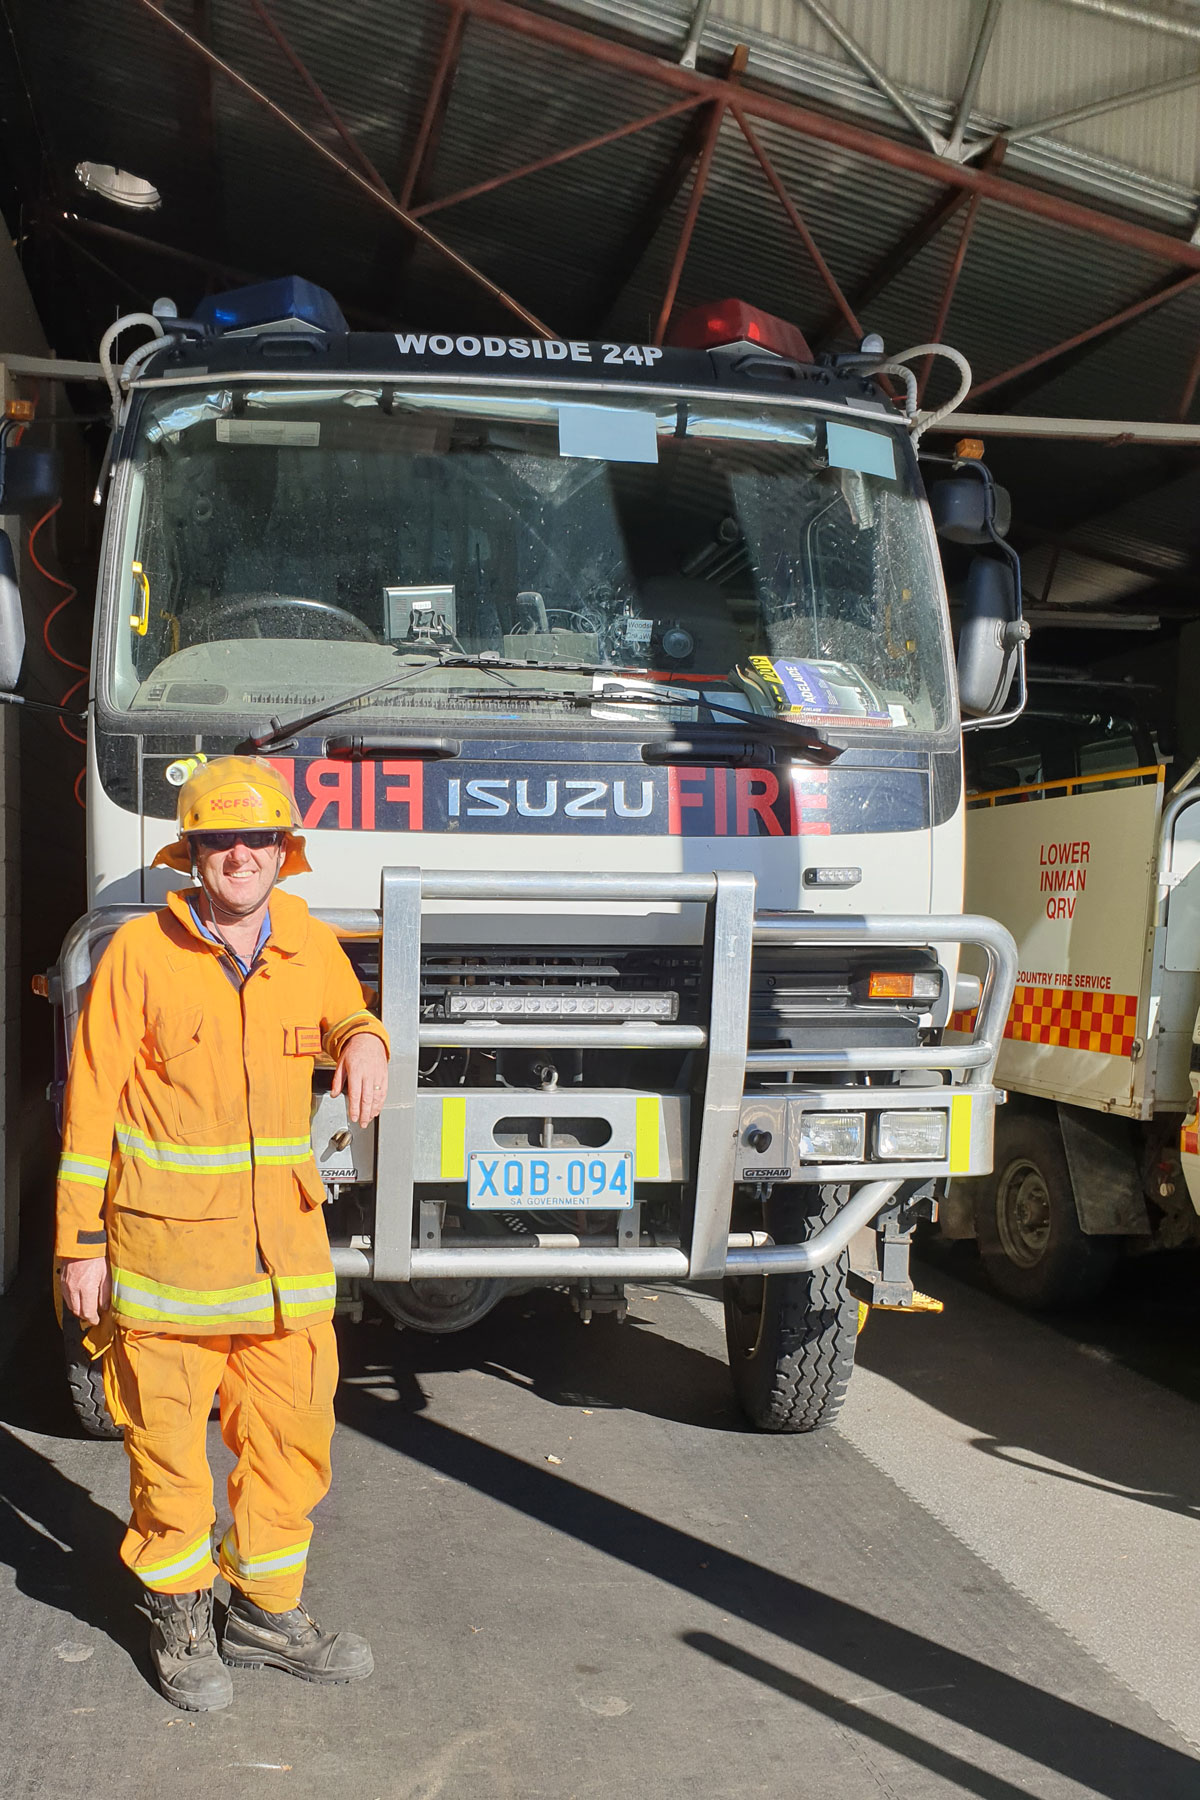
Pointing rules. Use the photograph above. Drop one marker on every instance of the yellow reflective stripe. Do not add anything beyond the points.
(178, 1564)
(85, 1169)
(323, 1278)
(291, 1557)
(201, 1159)
(646, 1161)
(261, 1284)
(94, 1162)
(454, 1137)
(282, 1150)
(161, 1315)
(139, 1298)
(960, 1134)
(299, 1294)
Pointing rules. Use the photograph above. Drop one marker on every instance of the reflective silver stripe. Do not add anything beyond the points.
(292, 1557)
(301, 1300)
(217, 1159)
(283, 1150)
(129, 1296)
(191, 1558)
(83, 1168)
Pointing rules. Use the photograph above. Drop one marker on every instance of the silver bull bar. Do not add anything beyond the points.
(732, 928)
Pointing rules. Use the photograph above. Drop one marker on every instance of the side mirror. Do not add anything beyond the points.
(12, 619)
(959, 508)
(990, 637)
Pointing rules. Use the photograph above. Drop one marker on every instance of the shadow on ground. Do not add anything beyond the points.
(535, 1341)
(1105, 1758)
(1046, 1388)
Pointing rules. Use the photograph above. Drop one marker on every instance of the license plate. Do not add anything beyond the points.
(567, 1179)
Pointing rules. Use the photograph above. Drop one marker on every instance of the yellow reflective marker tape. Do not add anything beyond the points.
(960, 1134)
(646, 1159)
(454, 1137)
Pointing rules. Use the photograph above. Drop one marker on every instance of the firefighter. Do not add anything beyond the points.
(190, 1230)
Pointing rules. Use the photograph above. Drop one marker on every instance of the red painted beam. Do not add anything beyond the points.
(832, 286)
(360, 181)
(699, 183)
(558, 156)
(858, 139)
(1124, 317)
(297, 62)
(438, 99)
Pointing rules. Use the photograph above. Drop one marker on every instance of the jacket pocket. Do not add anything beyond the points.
(302, 1040)
(200, 1092)
(166, 1194)
(312, 1188)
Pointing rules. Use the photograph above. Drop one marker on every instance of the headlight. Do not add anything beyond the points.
(833, 1137)
(911, 1136)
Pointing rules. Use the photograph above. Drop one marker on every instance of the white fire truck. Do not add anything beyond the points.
(1093, 863)
(616, 688)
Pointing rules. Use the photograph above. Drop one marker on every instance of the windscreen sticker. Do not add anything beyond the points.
(608, 434)
(301, 434)
(402, 795)
(869, 452)
(828, 692)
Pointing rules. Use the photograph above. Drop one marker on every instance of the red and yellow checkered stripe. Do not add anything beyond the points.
(1106, 1023)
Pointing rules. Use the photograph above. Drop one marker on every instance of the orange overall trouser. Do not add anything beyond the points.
(276, 1400)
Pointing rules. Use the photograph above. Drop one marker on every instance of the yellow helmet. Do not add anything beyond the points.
(229, 792)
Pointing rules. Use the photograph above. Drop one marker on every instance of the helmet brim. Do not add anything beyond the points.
(178, 856)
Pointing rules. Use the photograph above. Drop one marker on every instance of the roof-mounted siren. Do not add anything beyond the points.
(288, 303)
(733, 325)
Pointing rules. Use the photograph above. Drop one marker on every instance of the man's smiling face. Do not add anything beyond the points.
(238, 875)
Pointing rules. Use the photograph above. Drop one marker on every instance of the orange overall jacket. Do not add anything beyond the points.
(186, 1150)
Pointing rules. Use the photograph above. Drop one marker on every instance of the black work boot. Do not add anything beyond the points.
(292, 1641)
(183, 1648)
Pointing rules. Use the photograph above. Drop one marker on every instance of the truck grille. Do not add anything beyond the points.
(623, 974)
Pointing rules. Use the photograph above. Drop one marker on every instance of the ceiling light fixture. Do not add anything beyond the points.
(119, 186)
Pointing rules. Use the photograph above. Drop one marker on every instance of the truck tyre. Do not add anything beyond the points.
(791, 1337)
(86, 1384)
(1033, 1248)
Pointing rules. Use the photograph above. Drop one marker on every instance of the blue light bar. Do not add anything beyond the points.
(287, 304)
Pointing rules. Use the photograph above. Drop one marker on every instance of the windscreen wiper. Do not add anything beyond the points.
(488, 661)
(798, 736)
(280, 732)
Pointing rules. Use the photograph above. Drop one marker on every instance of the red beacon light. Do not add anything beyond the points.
(733, 322)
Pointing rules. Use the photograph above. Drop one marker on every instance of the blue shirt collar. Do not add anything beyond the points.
(206, 931)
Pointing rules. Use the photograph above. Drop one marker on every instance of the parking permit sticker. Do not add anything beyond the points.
(608, 434)
(869, 452)
(303, 434)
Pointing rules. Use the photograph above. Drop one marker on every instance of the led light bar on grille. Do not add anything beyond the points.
(554, 1003)
(911, 1136)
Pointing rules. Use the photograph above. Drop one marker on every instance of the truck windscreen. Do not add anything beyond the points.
(284, 546)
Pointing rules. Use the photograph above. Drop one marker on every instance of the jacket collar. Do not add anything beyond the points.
(289, 920)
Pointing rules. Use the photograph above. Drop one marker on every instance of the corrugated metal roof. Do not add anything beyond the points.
(112, 85)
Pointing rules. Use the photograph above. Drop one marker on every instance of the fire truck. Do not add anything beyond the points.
(1093, 863)
(616, 688)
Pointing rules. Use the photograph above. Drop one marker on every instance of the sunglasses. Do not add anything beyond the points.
(225, 840)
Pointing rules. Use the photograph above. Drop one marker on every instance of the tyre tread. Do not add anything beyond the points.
(85, 1383)
(812, 1368)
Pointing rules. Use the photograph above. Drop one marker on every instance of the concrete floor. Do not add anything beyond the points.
(983, 1584)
